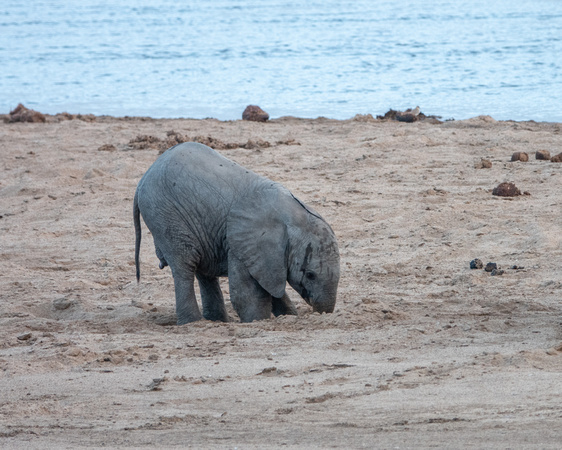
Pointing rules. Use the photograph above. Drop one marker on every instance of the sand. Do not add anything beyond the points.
(421, 351)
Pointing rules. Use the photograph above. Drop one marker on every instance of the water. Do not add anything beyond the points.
(163, 58)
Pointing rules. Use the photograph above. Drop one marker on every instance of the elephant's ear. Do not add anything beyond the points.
(257, 236)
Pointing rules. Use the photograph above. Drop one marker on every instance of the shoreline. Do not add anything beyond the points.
(390, 115)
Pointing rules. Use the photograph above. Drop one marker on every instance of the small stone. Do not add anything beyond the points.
(543, 155)
(156, 382)
(255, 114)
(483, 164)
(74, 351)
(557, 158)
(476, 264)
(490, 266)
(153, 357)
(497, 272)
(506, 190)
(24, 337)
(520, 156)
(61, 303)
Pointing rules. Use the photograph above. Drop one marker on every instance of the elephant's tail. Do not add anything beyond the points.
(136, 219)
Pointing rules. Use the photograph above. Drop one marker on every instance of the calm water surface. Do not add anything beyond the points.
(319, 58)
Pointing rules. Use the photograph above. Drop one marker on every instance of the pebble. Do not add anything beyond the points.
(476, 264)
(483, 164)
(542, 155)
(156, 382)
(24, 337)
(490, 267)
(557, 158)
(497, 272)
(61, 303)
(506, 190)
(74, 351)
(520, 156)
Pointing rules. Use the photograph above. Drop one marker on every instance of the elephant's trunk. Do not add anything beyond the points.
(323, 308)
(324, 303)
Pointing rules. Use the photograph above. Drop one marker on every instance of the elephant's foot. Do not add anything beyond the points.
(187, 318)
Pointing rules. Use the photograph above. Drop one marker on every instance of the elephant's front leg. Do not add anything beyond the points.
(212, 299)
(187, 309)
(283, 305)
(249, 299)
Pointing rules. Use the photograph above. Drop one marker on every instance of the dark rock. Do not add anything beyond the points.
(409, 118)
(410, 115)
(506, 190)
(476, 264)
(543, 155)
(255, 114)
(520, 156)
(557, 158)
(490, 267)
(496, 272)
(23, 114)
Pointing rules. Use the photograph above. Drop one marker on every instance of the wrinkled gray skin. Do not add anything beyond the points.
(211, 217)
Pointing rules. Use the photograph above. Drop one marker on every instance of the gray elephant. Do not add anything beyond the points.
(211, 217)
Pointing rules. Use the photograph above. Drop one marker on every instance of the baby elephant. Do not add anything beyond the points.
(211, 217)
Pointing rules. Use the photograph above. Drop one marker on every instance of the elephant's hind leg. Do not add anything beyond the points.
(283, 305)
(212, 299)
(187, 309)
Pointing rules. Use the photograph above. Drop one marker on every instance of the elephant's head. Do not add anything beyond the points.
(314, 261)
(280, 239)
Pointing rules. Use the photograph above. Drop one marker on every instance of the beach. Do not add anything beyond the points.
(421, 350)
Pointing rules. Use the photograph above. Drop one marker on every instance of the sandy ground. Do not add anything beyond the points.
(421, 351)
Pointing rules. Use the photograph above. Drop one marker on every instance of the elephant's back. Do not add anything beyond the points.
(190, 181)
(197, 169)
(204, 169)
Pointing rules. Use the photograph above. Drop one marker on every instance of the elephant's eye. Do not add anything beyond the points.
(311, 276)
